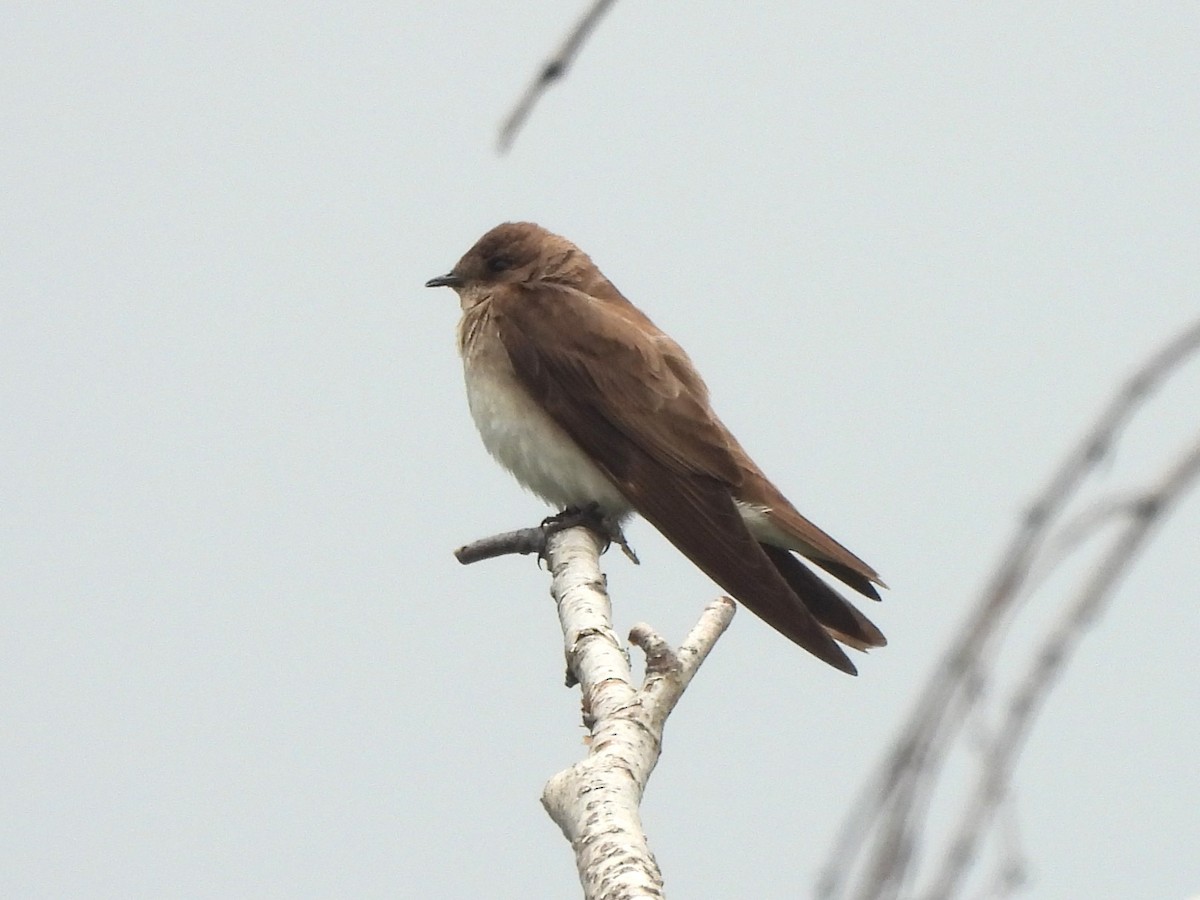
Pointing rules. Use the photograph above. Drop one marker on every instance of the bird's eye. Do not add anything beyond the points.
(499, 263)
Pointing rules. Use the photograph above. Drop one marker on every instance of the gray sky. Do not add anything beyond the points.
(912, 250)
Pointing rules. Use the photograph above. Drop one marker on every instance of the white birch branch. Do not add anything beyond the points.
(595, 802)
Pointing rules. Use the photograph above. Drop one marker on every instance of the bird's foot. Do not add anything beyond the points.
(591, 516)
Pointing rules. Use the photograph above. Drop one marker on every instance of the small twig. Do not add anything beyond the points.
(523, 541)
(678, 667)
(551, 71)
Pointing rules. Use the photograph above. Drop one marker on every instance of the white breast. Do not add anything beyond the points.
(527, 442)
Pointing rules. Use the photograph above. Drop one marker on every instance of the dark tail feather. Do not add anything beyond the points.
(828, 607)
(700, 518)
(849, 577)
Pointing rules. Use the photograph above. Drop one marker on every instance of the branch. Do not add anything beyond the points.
(881, 835)
(523, 541)
(554, 69)
(595, 802)
(1052, 657)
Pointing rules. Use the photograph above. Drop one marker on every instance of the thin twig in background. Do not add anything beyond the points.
(554, 69)
(1049, 661)
(881, 838)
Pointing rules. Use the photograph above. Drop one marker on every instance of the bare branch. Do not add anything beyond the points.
(523, 541)
(880, 838)
(1050, 660)
(554, 69)
(668, 673)
(595, 802)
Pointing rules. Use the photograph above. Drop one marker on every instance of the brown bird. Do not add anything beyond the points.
(577, 393)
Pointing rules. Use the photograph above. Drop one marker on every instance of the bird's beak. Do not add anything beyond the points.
(447, 280)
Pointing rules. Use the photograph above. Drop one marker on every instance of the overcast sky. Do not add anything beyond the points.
(913, 249)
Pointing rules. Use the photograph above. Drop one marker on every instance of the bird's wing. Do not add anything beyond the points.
(627, 395)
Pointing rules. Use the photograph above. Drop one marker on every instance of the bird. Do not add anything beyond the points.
(589, 405)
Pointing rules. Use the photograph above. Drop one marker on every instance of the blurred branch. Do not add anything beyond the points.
(881, 837)
(553, 69)
(1051, 658)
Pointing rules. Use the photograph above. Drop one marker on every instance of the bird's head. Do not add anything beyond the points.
(519, 254)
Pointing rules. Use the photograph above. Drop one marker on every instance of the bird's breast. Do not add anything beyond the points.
(521, 435)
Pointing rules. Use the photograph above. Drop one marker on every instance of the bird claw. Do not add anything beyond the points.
(590, 516)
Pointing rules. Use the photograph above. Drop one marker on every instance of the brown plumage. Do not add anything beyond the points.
(583, 399)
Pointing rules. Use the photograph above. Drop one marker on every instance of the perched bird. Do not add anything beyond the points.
(577, 393)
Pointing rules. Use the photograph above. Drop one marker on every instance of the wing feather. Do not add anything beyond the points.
(613, 386)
